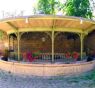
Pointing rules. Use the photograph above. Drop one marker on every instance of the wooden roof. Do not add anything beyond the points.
(47, 23)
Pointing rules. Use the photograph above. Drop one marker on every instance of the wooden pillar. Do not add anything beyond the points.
(82, 45)
(18, 45)
(9, 45)
(52, 45)
(9, 42)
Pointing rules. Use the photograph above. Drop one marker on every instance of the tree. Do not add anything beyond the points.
(48, 6)
(80, 8)
(44, 6)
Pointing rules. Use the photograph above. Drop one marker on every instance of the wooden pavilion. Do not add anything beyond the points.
(50, 25)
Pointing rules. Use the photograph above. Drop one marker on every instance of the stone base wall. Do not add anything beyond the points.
(46, 69)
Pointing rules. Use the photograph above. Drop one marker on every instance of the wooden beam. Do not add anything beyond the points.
(12, 26)
(49, 34)
(36, 29)
(47, 29)
(76, 30)
(56, 34)
(91, 28)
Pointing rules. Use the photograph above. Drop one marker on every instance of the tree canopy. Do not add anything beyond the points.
(80, 8)
(48, 6)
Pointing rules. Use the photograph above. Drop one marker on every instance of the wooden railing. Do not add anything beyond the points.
(42, 56)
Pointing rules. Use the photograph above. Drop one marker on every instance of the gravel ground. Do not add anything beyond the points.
(85, 80)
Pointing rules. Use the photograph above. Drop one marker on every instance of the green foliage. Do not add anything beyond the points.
(44, 6)
(48, 6)
(80, 8)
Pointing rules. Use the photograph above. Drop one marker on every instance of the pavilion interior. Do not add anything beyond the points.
(41, 42)
(36, 35)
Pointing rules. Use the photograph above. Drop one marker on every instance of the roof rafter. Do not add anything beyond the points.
(13, 26)
(91, 28)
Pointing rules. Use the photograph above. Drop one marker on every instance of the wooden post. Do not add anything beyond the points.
(81, 41)
(18, 44)
(52, 45)
(9, 42)
(9, 45)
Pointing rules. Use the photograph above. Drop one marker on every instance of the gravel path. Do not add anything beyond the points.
(8, 80)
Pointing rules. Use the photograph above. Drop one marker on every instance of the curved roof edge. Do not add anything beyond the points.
(45, 16)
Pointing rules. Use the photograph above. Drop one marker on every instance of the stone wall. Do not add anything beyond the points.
(46, 69)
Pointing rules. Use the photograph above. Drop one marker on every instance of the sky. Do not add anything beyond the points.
(15, 7)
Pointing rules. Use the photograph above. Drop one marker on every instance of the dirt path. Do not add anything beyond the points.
(86, 80)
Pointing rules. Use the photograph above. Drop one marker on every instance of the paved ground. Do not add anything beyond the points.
(8, 80)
